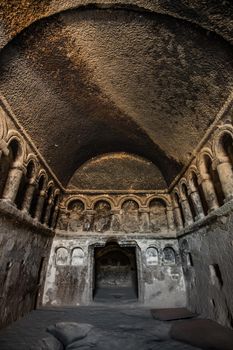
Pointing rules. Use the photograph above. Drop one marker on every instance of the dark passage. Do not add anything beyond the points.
(115, 274)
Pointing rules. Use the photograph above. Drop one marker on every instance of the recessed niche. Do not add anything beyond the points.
(215, 275)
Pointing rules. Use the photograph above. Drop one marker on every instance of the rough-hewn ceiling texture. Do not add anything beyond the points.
(118, 171)
(146, 77)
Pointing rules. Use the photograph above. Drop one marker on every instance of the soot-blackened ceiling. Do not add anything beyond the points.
(91, 81)
(118, 171)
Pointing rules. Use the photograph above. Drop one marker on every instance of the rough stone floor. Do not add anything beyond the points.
(127, 326)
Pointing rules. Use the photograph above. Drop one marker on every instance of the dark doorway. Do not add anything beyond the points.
(115, 274)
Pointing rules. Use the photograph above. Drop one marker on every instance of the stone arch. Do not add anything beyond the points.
(164, 198)
(169, 256)
(157, 214)
(221, 146)
(76, 204)
(62, 256)
(43, 177)
(102, 216)
(152, 256)
(77, 256)
(130, 204)
(110, 201)
(14, 137)
(202, 166)
(73, 199)
(129, 198)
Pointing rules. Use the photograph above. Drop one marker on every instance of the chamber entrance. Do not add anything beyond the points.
(115, 273)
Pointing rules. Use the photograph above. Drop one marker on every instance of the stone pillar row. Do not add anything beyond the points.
(11, 189)
(225, 172)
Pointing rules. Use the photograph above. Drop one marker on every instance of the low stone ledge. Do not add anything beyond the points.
(112, 234)
(10, 211)
(225, 209)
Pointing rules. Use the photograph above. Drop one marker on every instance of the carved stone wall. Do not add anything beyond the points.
(29, 201)
(158, 267)
(207, 261)
(25, 250)
(117, 212)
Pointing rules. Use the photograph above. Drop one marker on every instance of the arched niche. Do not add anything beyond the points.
(76, 205)
(158, 216)
(77, 257)
(152, 256)
(102, 216)
(224, 147)
(62, 256)
(76, 209)
(130, 216)
(169, 256)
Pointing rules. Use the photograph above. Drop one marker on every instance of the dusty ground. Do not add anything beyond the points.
(127, 327)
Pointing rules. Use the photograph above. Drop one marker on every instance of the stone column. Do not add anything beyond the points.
(28, 195)
(196, 200)
(89, 219)
(116, 220)
(13, 182)
(144, 219)
(225, 173)
(209, 192)
(48, 211)
(188, 218)
(178, 217)
(39, 205)
(170, 219)
(55, 216)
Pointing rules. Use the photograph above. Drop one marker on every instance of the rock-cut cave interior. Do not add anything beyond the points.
(116, 174)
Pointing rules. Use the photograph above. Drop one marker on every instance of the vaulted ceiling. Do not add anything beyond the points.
(143, 77)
